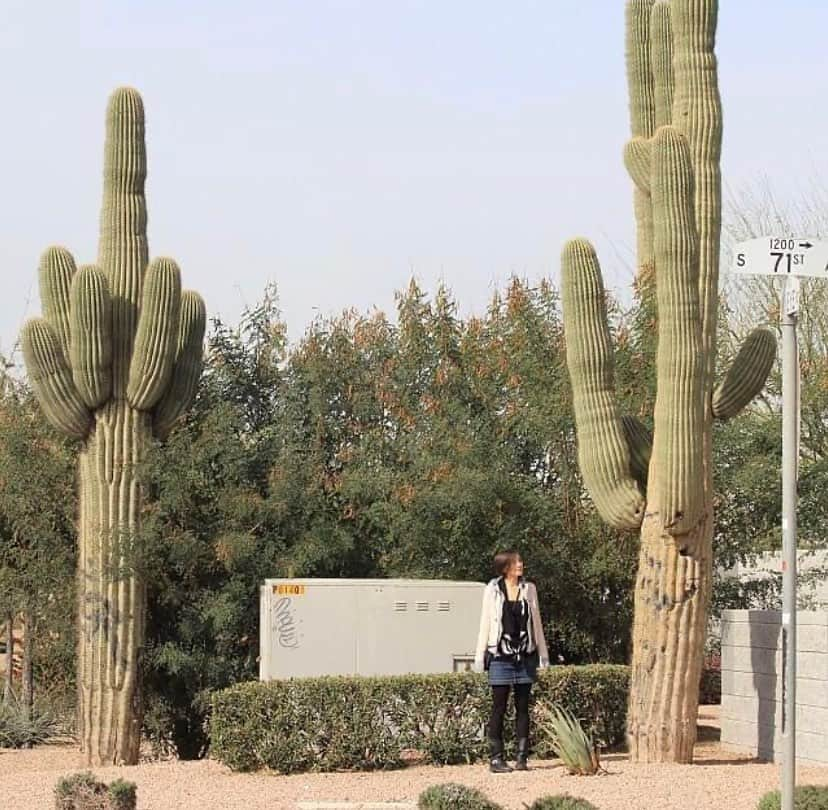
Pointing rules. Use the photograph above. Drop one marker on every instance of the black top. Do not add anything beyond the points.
(515, 622)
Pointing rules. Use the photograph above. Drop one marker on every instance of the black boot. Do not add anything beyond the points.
(522, 754)
(496, 761)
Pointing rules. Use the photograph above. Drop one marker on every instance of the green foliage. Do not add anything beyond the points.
(561, 802)
(82, 791)
(23, 729)
(359, 723)
(574, 746)
(710, 688)
(453, 796)
(806, 797)
(369, 450)
(37, 555)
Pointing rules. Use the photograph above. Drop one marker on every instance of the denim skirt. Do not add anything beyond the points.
(503, 672)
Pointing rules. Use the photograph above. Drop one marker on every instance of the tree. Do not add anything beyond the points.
(36, 516)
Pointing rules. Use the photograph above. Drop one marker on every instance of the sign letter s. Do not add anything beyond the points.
(740, 259)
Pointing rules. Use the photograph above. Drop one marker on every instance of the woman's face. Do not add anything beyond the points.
(516, 568)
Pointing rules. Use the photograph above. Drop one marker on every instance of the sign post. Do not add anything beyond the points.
(790, 258)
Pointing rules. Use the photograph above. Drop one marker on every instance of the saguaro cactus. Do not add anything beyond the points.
(115, 359)
(673, 160)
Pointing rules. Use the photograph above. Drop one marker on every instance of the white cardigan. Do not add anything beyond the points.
(491, 627)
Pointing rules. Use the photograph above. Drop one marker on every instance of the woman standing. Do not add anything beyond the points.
(510, 646)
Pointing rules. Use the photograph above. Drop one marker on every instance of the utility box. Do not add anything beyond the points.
(312, 627)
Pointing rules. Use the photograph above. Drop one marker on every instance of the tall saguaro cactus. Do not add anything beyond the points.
(662, 482)
(115, 360)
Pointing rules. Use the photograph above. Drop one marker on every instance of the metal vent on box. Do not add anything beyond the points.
(443, 606)
(422, 606)
(400, 607)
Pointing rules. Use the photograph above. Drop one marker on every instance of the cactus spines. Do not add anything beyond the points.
(747, 374)
(637, 159)
(123, 251)
(603, 454)
(697, 112)
(679, 418)
(102, 364)
(57, 268)
(661, 47)
(51, 379)
(154, 349)
(642, 119)
(640, 68)
(187, 364)
(91, 344)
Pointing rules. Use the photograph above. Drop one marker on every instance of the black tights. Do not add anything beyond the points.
(500, 699)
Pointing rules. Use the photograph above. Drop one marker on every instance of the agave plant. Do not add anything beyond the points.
(21, 729)
(573, 745)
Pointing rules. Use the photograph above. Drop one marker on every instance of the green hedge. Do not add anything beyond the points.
(806, 797)
(355, 723)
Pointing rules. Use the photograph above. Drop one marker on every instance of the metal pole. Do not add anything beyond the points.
(790, 459)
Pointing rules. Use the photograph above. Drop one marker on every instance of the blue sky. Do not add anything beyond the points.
(337, 148)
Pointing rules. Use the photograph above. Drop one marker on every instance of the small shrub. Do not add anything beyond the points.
(81, 791)
(452, 796)
(806, 797)
(122, 795)
(574, 746)
(359, 723)
(561, 803)
(19, 731)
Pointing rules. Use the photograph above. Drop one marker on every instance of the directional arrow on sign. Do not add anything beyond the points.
(782, 256)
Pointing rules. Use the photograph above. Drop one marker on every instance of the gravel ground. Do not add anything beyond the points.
(717, 780)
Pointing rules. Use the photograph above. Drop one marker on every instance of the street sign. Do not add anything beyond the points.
(782, 256)
(790, 258)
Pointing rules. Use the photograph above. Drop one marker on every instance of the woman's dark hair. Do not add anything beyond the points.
(505, 560)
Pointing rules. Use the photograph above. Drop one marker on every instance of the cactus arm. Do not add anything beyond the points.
(637, 155)
(640, 443)
(639, 68)
(679, 414)
(55, 272)
(642, 118)
(122, 249)
(187, 370)
(602, 450)
(661, 54)
(697, 112)
(155, 342)
(91, 344)
(747, 374)
(51, 379)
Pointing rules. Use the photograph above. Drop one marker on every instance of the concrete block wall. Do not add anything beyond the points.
(752, 667)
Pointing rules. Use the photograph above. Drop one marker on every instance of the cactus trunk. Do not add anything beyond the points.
(672, 600)
(111, 593)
